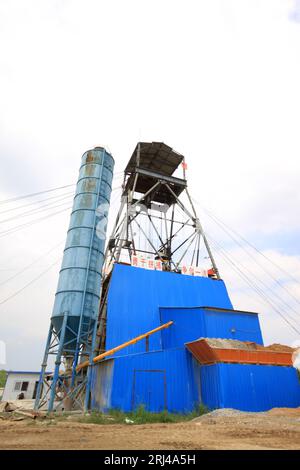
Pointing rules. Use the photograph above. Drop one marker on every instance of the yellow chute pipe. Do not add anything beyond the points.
(123, 345)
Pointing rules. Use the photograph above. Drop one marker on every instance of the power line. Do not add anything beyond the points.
(251, 256)
(37, 210)
(7, 201)
(228, 229)
(29, 283)
(28, 224)
(31, 264)
(58, 197)
(36, 202)
(33, 212)
(21, 226)
(258, 291)
(35, 194)
(265, 286)
(253, 286)
(252, 246)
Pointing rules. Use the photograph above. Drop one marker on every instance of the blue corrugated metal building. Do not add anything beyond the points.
(249, 387)
(136, 295)
(163, 374)
(158, 379)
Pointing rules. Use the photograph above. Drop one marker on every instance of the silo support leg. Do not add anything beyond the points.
(89, 371)
(57, 362)
(43, 369)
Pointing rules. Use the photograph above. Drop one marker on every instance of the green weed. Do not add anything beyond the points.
(141, 416)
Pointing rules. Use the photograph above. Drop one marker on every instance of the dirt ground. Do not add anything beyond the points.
(221, 429)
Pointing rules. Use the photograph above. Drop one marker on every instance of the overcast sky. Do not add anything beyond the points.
(219, 81)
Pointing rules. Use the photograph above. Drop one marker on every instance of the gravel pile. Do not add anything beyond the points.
(220, 413)
(228, 343)
(279, 348)
(246, 345)
(227, 413)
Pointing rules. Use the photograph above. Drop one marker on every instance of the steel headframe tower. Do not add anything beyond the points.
(73, 325)
(156, 218)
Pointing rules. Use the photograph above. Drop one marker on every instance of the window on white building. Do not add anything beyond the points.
(18, 386)
(23, 386)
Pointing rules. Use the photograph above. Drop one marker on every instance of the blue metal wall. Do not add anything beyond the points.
(193, 323)
(136, 294)
(173, 379)
(157, 379)
(249, 387)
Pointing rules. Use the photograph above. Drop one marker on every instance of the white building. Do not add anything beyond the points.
(20, 382)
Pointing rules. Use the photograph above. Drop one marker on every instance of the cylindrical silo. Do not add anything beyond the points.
(78, 291)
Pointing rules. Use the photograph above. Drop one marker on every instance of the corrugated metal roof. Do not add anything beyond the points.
(155, 156)
(136, 294)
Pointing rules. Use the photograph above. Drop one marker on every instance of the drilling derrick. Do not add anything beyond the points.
(157, 223)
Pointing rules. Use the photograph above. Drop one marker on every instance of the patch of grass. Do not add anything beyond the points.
(141, 416)
(96, 417)
(2, 378)
(200, 410)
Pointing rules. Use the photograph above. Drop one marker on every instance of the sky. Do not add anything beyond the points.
(216, 80)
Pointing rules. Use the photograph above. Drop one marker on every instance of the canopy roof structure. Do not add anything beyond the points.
(152, 162)
(154, 156)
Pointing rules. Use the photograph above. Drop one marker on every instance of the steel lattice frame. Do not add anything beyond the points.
(72, 385)
(129, 225)
(124, 241)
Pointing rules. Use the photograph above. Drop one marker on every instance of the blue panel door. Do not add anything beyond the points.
(149, 390)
